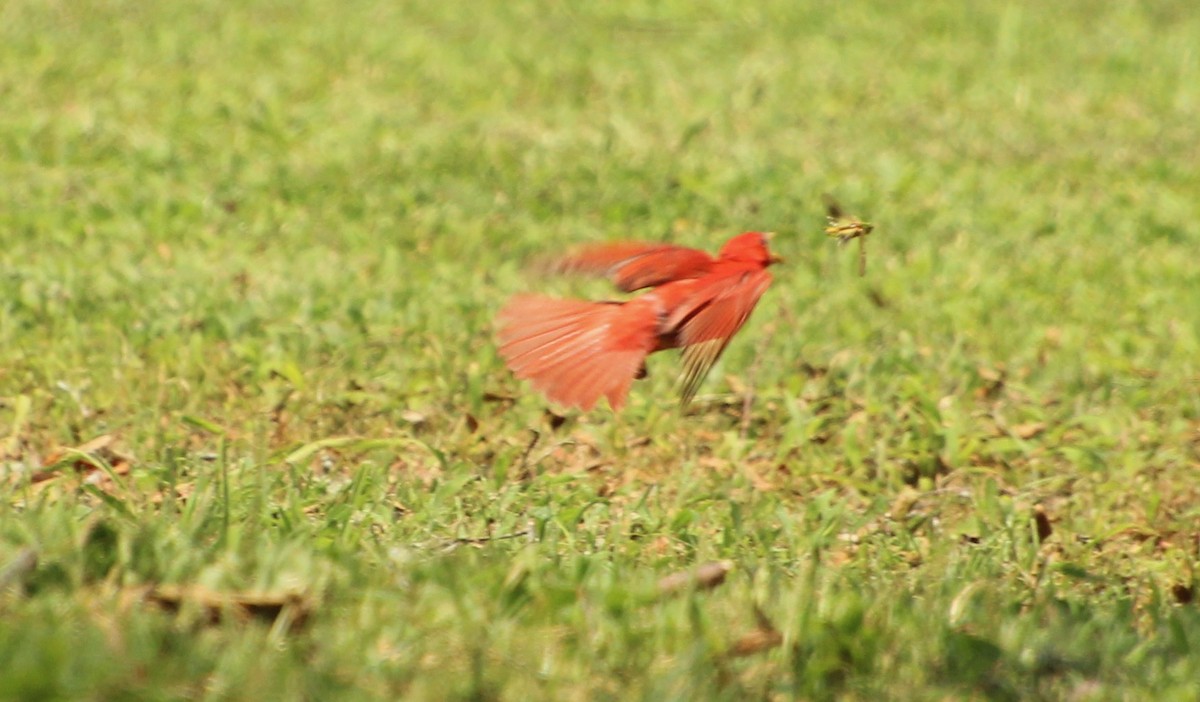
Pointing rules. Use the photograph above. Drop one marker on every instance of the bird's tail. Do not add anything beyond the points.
(575, 351)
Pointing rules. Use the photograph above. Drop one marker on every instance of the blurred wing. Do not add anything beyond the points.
(832, 208)
(633, 266)
(714, 315)
(574, 351)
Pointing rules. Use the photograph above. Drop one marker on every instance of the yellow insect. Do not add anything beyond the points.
(846, 228)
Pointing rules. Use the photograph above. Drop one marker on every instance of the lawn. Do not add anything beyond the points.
(256, 441)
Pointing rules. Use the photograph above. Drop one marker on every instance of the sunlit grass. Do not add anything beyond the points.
(261, 247)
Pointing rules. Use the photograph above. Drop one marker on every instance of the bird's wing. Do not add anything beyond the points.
(709, 318)
(633, 266)
(575, 351)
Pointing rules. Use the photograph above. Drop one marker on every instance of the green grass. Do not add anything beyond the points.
(229, 231)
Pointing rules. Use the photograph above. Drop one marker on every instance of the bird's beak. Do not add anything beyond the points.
(773, 258)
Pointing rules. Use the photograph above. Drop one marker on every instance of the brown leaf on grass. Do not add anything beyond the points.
(554, 420)
(292, 608)
(183, 492)
(755, 642)
(100, 443)
(414, 417)
(993, 382)
(660, 546)
(1184, 594)
(703, 577)
(84, 459)
(763, 637)
(1042, 523)
(1024, 431)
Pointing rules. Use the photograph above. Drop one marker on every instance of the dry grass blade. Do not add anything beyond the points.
(84, 459)
(292, 609)
(703, 577)
(451, 544)
(534, 437)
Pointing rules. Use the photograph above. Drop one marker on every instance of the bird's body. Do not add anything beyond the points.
(577, 351)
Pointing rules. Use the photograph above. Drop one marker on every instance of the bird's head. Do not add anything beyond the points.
(750, 247)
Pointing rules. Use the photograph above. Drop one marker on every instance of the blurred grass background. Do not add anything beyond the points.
(232, 230)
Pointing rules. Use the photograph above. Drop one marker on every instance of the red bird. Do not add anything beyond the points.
(575, 351)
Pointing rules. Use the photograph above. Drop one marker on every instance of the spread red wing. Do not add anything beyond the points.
(574, 351)
(710, 319)
(633, 266)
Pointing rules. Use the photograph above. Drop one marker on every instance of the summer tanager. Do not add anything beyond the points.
(575, 351)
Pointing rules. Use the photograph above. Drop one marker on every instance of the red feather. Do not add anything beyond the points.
(633, 266)
(576, 351)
